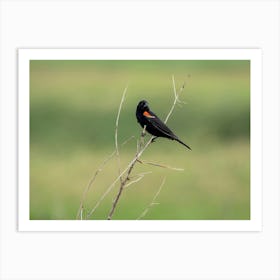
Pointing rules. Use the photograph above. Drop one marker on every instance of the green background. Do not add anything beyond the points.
(73, 108)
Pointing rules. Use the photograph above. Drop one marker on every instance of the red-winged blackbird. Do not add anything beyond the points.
(153, 124)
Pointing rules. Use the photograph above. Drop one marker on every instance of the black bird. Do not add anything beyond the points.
(153, 124)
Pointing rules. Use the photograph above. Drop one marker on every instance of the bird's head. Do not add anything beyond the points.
(143, 106)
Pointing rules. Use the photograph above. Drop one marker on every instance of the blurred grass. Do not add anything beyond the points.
(73, 106)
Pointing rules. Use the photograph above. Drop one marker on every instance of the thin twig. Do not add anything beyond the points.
(153, 201)
(141, 174)
(134, 181)
(176, 98)
(161, 165)
(116, 133)
(139, 177)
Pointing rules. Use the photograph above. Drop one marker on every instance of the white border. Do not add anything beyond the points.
(254, 55)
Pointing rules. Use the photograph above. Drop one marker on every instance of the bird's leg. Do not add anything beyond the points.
(143, 134)
(154, 139)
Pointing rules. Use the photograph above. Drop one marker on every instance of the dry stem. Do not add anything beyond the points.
(153, 201)
(116, 134)
(161, 165)
(176, 98)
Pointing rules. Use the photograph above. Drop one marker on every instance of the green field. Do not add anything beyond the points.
(73, 108)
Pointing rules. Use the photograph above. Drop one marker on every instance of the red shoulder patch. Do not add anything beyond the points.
(148, 115)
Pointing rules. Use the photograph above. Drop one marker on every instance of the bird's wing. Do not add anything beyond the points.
(155, 121)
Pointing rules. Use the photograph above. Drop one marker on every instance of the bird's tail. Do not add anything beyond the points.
(178, 140)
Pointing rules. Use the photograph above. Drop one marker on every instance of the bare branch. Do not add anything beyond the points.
(134, 181)
(141, 174)
(176, 98)
(161, 165)
(127, 140)
(116, 133)
(153, 201)
(140, 177)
